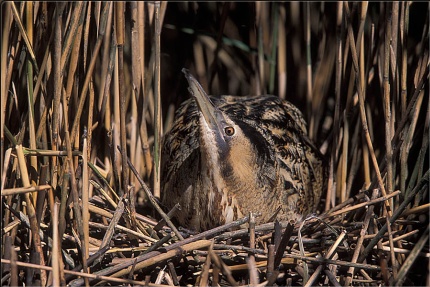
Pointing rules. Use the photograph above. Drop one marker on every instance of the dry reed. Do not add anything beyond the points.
(88, 88)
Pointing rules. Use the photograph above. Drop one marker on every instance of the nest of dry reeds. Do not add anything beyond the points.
(88, 89)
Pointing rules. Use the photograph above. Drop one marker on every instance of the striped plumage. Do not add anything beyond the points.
(227, 156)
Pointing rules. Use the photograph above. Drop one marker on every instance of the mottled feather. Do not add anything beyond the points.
(273, 168)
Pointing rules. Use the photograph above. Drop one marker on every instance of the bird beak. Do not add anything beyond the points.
(213, 116)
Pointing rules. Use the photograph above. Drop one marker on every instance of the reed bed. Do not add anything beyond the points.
(89, 88)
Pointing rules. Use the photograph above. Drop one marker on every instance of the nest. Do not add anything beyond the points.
(80, 79)
(353, 243)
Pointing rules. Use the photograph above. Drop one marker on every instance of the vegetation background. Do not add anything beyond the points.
(79, 79)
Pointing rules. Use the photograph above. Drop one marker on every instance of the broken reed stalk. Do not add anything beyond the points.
(198, 237)
(204, 277)
(401, 276)
(154, 203)
(75, 273)
(117, 227)
(360, 241)
(113, 223)
(357, 206)
(327, 256)
(12, 191)
(424, 181)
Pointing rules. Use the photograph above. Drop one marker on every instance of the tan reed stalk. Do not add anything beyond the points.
(386, 101)
(57, 88)
(78, 11)
(89, 72)
(74, 55)
(331, 187)
(76, 206)
(362, 106)
(396, 215)
(85, 194)
(14, 51)
(260, 20)
(274, 47)
(418, 169)
(388, 127)
(329, 254)
(145, 97)
(30, 101)
(404, 30)
(91, 276)
(282, 51)
(344, 159)
(309, 79)
(4, 89)
(199, 65)
(204, 276)
(18, 21)
(41, 130)
(37, 245)
(149, 77)
(164, 256)
(360, 241)
(119, 29)
(411, 258)
(56, 255)
(134, 120)
(157, 99)
(117, 227)
(19, 190)
(211, 69)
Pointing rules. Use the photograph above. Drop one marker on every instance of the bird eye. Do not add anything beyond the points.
(229, 131)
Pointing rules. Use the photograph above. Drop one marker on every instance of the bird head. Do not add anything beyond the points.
(229, 143)
(216, 126)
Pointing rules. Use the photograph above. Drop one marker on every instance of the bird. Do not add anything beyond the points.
(227, 156)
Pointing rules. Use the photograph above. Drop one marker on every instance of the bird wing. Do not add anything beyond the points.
(180, 158)
(180, 142)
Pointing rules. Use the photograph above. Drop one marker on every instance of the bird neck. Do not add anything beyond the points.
(240, 167)
(210, 157)
(243, 164)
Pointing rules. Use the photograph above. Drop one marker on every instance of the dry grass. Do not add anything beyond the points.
(87, 86)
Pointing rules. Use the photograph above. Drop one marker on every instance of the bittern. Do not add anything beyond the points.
(228, 156)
